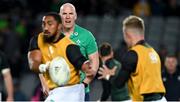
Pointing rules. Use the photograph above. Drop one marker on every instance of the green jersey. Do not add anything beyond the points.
(116, 93)
(87, 43)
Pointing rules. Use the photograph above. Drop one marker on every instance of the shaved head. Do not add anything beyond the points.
(67, 5)
(68, 16)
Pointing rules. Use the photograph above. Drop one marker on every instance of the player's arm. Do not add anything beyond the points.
(93, 55)
(78, 60)
(129, 63)
(94, 63)
(8, 83)
(35, 60)
(106, 73)
(44, 85)
(34, 55)
(7, 77)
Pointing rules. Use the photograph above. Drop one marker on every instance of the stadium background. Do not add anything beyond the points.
(21, 19)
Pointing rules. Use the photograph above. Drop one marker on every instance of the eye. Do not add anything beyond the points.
(50, 23)
(64, 13)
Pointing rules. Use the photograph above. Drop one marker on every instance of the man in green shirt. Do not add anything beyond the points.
(81, 37)
(109, 73)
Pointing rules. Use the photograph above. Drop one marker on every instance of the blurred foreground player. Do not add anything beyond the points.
(5, 70)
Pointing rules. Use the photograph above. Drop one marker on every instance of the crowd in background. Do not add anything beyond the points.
(87, 7)
(20, 20)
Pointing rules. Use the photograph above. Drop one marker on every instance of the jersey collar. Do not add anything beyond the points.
(75, 32)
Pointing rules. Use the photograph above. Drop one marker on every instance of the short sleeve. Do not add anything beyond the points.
(91, 44)
(3, 61)
(75, 56)
(33, 43)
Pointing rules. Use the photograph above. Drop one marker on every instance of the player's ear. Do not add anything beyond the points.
(75, 16)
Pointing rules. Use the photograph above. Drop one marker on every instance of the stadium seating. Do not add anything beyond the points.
(159, 31)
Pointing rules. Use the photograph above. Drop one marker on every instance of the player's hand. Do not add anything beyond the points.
(105, 72)
(45, 90)
(86, 67)
(44, 67)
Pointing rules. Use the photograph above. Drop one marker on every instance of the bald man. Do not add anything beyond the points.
(81, 37)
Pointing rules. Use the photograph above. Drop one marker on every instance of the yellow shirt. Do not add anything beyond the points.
(147, 77)
(50, 51)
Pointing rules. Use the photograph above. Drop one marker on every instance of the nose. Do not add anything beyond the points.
(67, 16)
(45, 27)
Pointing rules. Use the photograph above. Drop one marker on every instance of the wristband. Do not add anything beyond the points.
(4, 71)
(42, 68)
(107, 77)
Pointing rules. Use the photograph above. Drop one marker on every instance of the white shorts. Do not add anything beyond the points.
(163, 99)
(74, 93)
(127, 100)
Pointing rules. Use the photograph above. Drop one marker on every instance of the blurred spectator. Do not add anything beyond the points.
(12, 50)
(162, 54)
(171, 79)
(108, 72)
(142, 8)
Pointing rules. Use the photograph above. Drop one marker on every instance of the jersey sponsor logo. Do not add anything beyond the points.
(76, 33)
(153, 57)
(78, 42)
